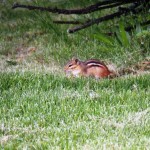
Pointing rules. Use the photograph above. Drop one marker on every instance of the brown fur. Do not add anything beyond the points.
(91, 67)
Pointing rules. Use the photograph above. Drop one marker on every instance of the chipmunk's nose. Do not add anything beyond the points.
(66, 70)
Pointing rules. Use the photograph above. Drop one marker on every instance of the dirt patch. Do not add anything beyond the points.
(140, 68)
(11, 65)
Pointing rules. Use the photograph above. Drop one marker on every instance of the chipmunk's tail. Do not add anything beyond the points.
(114, 71)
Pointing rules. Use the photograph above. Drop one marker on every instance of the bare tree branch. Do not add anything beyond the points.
(122, 11)
(135, 7)
(95, 21)
(98, 6)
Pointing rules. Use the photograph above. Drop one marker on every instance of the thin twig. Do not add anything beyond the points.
(67, 22)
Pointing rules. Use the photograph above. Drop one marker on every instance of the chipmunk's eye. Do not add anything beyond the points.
(70, 65)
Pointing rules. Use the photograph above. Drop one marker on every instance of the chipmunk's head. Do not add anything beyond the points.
(72, 67)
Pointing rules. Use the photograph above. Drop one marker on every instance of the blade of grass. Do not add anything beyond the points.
(103, 38)
(124, 37)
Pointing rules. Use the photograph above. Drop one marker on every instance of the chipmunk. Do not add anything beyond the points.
(91, 67)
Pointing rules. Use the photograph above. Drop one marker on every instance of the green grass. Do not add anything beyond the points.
(23, 28)
(42, 109)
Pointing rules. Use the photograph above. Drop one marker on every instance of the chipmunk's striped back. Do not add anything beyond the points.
(95, 63)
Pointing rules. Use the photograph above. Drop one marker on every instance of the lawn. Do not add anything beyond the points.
(40, 108)
(43, 111)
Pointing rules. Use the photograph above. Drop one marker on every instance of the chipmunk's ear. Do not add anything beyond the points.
(75, 60)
